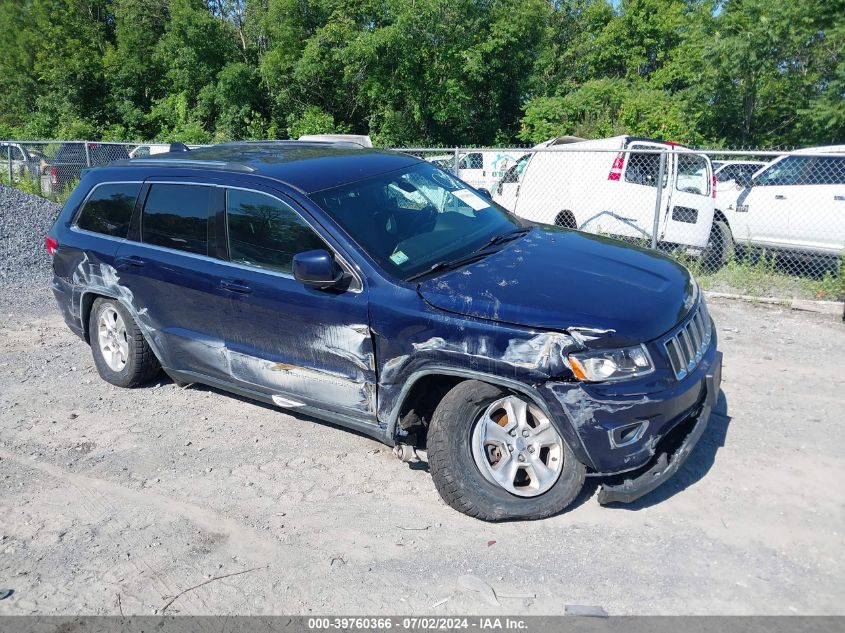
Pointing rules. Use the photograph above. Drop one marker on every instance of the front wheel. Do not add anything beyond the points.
(495, 455)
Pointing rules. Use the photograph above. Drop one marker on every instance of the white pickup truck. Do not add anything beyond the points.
(796, 203)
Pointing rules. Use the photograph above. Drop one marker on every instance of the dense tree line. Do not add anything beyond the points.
(725, 72)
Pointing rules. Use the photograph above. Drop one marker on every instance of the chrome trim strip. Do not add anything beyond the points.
(685, 348)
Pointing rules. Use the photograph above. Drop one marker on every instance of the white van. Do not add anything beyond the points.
(588, 186)
(481, 169)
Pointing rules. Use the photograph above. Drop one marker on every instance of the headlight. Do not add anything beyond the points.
(613, 364)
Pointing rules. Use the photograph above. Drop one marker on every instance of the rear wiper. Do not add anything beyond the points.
(479, 253)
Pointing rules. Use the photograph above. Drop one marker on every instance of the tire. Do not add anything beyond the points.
(460, 478)
(720, 247)
(123, 342)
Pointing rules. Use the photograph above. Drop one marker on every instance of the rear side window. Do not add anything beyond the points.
(108, 210)
(264, 232)
(643, 169)
(827, 171)
(70, 153)
(176, 216)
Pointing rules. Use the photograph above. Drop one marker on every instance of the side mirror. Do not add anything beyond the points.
(485, 192)
(316, 269)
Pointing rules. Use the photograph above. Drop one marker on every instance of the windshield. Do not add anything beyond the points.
(411, 219)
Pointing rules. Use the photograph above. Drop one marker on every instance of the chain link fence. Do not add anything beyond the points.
(760, 223)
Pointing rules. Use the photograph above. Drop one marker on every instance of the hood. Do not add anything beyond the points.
(556, 279)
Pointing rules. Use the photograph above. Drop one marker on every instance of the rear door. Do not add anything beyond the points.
(817, 206)
(301, 345)
(630, 196)
(167, 268)
(691, 203)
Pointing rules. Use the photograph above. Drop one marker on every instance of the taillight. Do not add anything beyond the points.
(54, 175)
(616, 168)
(713, 184)
(51, 244)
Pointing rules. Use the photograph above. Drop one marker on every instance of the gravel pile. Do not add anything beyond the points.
(24, 221)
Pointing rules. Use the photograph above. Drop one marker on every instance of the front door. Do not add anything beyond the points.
(761, 213)
(301, 345)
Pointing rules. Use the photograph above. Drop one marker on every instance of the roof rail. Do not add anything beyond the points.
(182, 162)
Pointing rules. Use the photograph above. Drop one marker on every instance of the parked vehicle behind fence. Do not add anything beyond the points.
(17, 161)
(63, 168)
(482, 169)
(728, 172)
(374, 290)
(609, 186)
(152, 149)
(795, 204)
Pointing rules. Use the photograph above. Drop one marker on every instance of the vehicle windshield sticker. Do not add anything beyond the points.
(398, 258)
(468, 197)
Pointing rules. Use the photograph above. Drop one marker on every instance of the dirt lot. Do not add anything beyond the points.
(116, 500)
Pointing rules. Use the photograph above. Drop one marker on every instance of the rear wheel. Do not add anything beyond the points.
(495, 455)
(121, 354)
(720, 247)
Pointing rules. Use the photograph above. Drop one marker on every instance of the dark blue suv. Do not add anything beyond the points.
(376, 291)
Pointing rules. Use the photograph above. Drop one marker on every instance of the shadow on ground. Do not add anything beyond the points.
(697, 465)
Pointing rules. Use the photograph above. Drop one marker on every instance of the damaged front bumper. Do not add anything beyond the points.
(667, 463)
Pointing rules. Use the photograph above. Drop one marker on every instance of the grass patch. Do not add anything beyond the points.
(32, 186)
(768, 274)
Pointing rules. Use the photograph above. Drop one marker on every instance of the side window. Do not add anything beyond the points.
(693, 175)
(726, 174)
(785, 172)
(176, 216)
(264, 232)
(4, 152)
(472, 161)
(108, 209)
(827, 171)
(142, 151)
(643, 169)
(16, 152)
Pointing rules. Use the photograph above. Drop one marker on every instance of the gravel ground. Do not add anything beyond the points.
(24, 221)
(118, 500)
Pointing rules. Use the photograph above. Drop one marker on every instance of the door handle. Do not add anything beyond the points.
(235, 286)
(132, 260)
(780, 197)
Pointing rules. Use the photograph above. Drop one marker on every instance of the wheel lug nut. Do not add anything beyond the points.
(513, 433)
(510, 447)
(521, 457)
(530, 449)
(525, 433)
